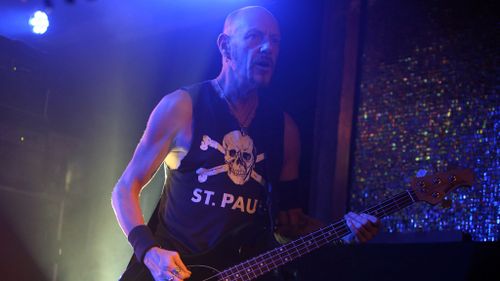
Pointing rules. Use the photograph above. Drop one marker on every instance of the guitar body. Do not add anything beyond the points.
(202, 267)
(239, 245)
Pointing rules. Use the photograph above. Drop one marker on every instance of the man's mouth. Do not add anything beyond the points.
(264, 63)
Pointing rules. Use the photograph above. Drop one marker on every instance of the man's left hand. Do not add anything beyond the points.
(363, 226)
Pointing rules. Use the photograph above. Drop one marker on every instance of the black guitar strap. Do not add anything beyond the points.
(270, 198)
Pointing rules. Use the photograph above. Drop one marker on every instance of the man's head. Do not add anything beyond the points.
(250, 45)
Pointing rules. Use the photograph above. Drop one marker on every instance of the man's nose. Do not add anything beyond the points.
(266, 46)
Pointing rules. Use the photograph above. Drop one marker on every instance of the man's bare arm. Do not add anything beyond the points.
(294, 222)
(291, 151)
(171, 116)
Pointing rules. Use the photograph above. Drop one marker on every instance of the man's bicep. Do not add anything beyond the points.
(170, 116)
(291, 150)
(167, 119)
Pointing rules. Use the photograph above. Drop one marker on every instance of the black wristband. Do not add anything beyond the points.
(288, 195)
(142, 239)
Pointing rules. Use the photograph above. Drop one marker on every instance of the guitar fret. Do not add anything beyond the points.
(230, 273)
(326, 235)
(411, 196)
(286, 256)
(224, 275)
(273, 260)
(242, 272)
(246, 270)
(395, 202)
(262, 264)
(257, 266)
(335, 232)
(236, 273)
(270, 258)
(280, 255)
(316, 243)
(307, 244)
(250, 272)
(292, 250)
(252, 269)
(289, 257)
(299, 246)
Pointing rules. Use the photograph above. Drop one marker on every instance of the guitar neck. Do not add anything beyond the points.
(288, 252)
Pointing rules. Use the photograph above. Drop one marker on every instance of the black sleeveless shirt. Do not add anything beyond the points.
(220, 183)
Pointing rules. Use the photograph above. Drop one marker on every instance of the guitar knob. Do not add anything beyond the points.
(452, 178)
(436, 181)
(436, 194)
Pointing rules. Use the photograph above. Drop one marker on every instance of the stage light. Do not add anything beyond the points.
(40, 22)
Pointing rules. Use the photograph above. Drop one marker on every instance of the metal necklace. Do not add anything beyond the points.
(244, 123)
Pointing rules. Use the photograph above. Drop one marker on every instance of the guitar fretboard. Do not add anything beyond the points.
(332, 233)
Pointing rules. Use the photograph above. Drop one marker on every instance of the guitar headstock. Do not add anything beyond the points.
(433, 188)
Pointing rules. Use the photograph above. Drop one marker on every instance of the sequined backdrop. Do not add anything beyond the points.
(427, 99)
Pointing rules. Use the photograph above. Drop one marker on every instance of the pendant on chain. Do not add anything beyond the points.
(243, 131)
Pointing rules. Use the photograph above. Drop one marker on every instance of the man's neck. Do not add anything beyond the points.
(240, 96)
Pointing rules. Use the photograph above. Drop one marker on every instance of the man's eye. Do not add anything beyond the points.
(253, 36)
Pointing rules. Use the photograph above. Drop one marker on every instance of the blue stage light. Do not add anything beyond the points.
(40, 22)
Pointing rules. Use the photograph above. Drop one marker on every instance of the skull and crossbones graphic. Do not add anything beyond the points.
(239, 157)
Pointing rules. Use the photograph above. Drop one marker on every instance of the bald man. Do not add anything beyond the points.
(221, 143)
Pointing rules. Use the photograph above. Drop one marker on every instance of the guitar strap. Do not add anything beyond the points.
(270, 198)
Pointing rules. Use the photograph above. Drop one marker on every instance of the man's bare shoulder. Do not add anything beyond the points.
(291, 129)
(176, 102)
(173, 113)
(176, 105)
(291, 155)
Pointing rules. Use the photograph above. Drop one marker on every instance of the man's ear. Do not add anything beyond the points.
(224, 46)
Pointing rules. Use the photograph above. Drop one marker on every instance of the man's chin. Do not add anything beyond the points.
(261, 82)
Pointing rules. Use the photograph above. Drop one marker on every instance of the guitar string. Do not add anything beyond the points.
(404, 198)
(393, 203)
(319, 239)
(323, 240)
(322, 232)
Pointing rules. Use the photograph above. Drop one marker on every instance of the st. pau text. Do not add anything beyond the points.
(227, 200)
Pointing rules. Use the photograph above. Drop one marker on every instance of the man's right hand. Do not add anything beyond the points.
(165, 265)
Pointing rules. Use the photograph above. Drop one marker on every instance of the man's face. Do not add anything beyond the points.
(254, 47)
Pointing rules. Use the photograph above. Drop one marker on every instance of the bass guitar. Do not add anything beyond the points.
(227, 263)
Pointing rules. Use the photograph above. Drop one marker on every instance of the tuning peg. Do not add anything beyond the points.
(446, 203)
(421, 173)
